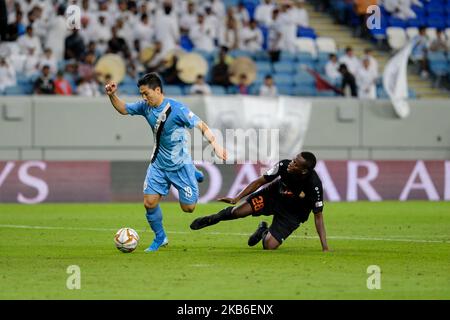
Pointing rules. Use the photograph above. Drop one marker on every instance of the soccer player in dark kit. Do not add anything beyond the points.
(294, 191)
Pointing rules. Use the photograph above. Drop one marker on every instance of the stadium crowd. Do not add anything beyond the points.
(425, 22)
(40, 55)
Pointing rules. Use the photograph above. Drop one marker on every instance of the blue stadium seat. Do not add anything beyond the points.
(378, 34)
(419, 11)
(186, 43)
(437, 22)
(436, 56)
(128, 89)
(261, 56)
(218, 90)
(304, 78)
(265, 33)
(320, 66)
(285, 90)
(287, 56)
(231, 3)
(306, 64)
(22, 79)
(209, 56)
(438, 63)
(323, 56)
(306, 33)
(128, 80)
(263, 67)
(417, 22)
(28, 88)
(304, 56)
(260, 77)
(304, 90)
(283, 79)
(254, 89)
(239, 53)
(283, 67)
(435, 9)
(173, 90)
(15, 91)
(396, 22)
(250, 5)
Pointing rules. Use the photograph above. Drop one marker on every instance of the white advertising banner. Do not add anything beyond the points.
(259, 130)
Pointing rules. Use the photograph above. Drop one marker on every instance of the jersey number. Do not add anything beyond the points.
(187, 192)
(258, 203)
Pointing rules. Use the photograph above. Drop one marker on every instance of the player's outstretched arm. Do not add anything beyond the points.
(118, 104)
(207, 133)
(252, 187)
(320, 227)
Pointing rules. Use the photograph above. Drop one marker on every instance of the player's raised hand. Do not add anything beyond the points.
(228, 200)
(111, 88)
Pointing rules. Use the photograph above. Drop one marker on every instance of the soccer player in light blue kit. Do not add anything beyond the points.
(171, 163)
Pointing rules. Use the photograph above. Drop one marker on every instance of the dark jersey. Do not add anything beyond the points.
(298, 194)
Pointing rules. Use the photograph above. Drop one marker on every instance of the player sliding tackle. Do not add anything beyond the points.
(289, 199)
(171, 163)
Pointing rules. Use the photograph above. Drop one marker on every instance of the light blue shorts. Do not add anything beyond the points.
(159, 181)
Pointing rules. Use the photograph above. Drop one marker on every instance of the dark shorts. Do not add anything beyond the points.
(267, 202)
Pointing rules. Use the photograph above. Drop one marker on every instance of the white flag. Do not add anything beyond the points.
(395, 81)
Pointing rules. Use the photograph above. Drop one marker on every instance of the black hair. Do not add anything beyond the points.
(343, 67)
(268, 76)
(310, 159)
(152, 80)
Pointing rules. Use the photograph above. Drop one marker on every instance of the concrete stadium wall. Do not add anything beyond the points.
(74, 128)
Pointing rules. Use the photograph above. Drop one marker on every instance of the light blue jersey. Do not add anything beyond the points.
(171, 161)
(172, 151)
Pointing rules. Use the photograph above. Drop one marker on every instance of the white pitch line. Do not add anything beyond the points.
(228, 234)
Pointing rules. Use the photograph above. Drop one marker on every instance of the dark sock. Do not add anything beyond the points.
(224, 214)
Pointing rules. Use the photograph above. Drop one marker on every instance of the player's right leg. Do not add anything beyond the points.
(155, 186)
(229, 213)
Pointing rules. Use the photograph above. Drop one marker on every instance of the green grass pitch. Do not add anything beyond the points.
(410, 242)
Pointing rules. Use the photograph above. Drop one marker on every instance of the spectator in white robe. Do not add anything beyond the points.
(57, 34)
(169, 34)
(251, 37)
(350, 60)
(332, 69)
(366, 81)
(202, 35)
(30, 40)
(301, 15)
(7, 74)
(263, 12)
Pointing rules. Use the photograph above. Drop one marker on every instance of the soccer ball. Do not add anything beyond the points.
(126, 239)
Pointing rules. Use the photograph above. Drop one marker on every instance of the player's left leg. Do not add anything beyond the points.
(269, 242)
(283, 224)
(185, 181)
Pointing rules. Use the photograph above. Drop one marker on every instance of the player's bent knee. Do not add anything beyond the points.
(189, 208)
(270, 243)
(150, 203)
